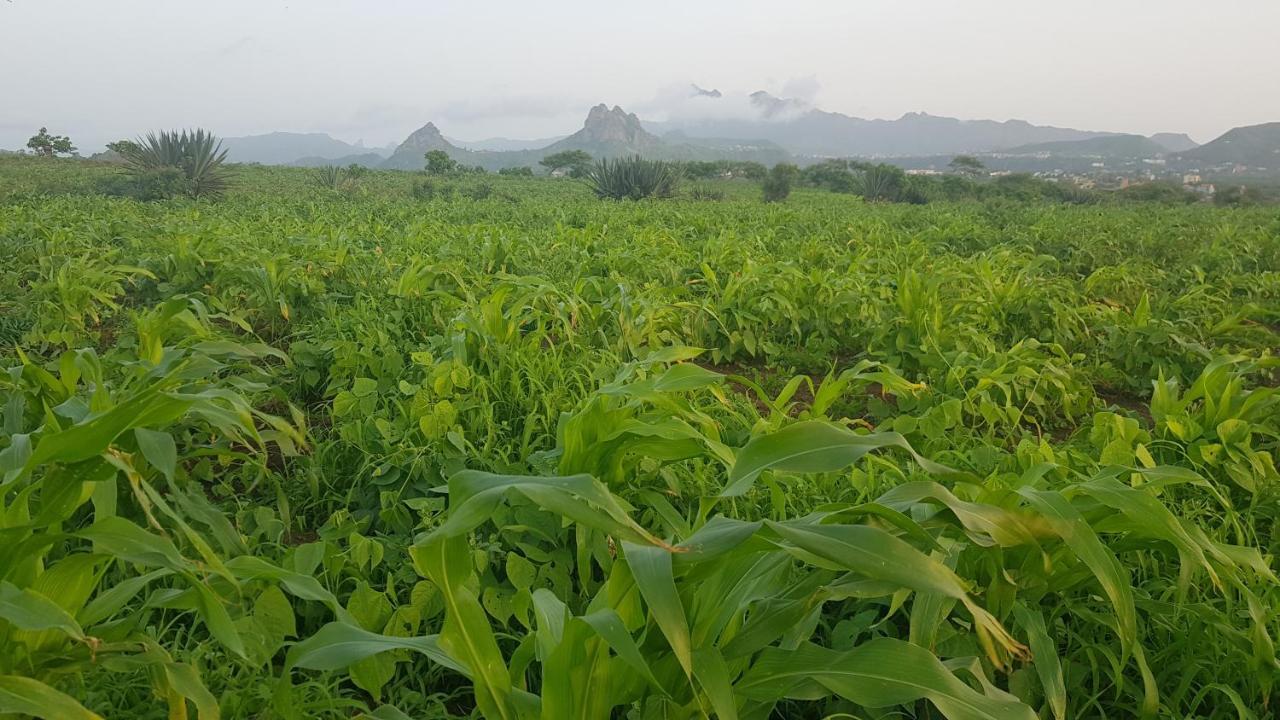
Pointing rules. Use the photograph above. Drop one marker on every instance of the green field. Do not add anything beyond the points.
(521, 453)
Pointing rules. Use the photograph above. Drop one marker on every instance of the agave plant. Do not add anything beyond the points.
(633, 178)
(197, 154)
(882, 182)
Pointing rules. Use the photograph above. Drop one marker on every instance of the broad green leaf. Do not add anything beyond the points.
(881, 673)
(474, 495)
(713, 675)
(26, 609)
(186, 682)
(810, 447)
(986, 524)
(651, 567)
(113, 599)
(608, 625)
(337, 645)
(159, 450)
(217, 619)
(466, 635)
(876, 554)
(685, 376)
(306, 587)
(120, 538)
(1044, 652)
(1083, 541)
(83, 441)
(31, 697)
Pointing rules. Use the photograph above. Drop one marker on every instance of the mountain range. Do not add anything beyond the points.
(284, 148)
(607, 132)
(1106, 146)
(774, 130)
(803, 130)
(1256, 145)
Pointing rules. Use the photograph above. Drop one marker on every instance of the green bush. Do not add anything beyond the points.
(777, 184)
(479, 191)
(429, 189)
(703, 192)
(146, 185)
(883, 183)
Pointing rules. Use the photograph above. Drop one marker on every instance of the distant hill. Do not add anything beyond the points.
(409, 155)
(369, 160)
(1110, 146)
(803, 130)
(1175, 142)
(501, 144)
(282, 148)
(1253, 145)
(607, 132)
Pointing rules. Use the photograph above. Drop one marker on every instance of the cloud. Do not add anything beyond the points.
(683, 103)
(804, 88)
(242, 45)
(512, 106)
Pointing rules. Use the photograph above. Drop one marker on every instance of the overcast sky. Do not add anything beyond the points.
(375, 70)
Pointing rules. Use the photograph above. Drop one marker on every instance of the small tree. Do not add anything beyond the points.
(883, 182)
(47, 145)
(967, 165)
(123, 147)
(777, 184)
(522, 171)
(439, 163)
(577, 162)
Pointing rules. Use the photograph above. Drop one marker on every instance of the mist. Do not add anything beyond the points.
(375, 72)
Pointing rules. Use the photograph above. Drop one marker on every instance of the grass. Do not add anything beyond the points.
(297, 453)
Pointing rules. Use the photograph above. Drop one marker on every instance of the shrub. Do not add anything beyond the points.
(917, 191)
(703, 192)
(430, 190)
(522, 171)
(479, 191)
(1160, 192)
(883, 183)
(197, 156)
(1240, 196)
(833, 175)
(328, 177)
(633, 178)
(146, 185)
(777, 184)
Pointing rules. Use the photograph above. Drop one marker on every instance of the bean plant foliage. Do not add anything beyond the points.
(306, 454)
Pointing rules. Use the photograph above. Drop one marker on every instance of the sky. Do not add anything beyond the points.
(375, 70)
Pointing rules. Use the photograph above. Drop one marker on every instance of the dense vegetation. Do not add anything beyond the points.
(331, 446)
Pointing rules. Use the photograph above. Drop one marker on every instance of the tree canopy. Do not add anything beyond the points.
(439, 163)
(967, 165)
(577, 162)
(50, 145)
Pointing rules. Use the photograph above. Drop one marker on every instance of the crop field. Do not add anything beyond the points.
(511, 451)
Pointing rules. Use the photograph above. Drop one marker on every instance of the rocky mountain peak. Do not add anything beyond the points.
(614, 125)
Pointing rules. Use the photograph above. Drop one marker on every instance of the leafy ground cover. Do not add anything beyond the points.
(524, 453)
